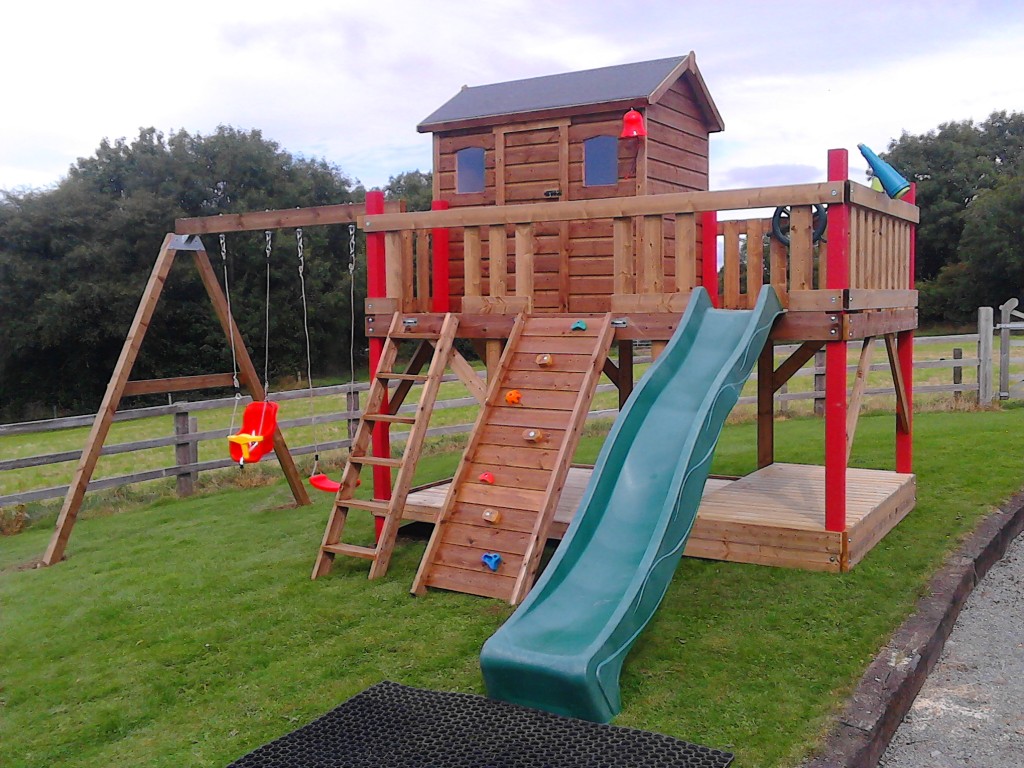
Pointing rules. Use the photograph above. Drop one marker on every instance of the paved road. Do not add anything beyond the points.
(970, 711)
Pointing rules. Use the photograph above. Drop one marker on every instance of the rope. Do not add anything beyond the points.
(231, 333)
(266, 327)
(309, 357)
(266, 336)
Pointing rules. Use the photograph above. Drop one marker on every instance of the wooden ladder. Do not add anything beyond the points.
(492, 529)
(437, 348)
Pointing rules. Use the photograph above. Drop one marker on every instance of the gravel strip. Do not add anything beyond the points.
(970, 711)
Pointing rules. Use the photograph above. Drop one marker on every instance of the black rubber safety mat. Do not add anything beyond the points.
(394, 726)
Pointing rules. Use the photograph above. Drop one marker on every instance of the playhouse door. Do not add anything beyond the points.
(532, 166)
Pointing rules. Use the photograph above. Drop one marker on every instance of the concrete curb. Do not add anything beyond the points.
(892, 682)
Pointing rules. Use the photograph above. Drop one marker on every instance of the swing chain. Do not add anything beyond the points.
(351, 249)
(227, 296)
(309, 358)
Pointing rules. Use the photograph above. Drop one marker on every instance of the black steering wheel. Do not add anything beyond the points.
(780, 224)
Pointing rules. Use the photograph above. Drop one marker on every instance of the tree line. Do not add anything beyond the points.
(970, 188)
(74, 258)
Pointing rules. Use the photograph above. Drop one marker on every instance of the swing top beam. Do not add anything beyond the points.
(254, 221)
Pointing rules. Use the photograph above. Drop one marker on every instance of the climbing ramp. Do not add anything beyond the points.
(563, 649)
(491, 531)
(435, 351)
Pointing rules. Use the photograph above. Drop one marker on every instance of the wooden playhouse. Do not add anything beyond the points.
(541, 229)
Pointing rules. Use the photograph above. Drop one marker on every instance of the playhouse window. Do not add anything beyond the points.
(469, 170)
(600, 161)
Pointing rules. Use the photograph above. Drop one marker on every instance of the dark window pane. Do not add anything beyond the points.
(469, 170)
(600, 161)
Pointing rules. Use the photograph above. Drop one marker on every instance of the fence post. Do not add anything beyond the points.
(352, 406)
(184, 450)
(985, 355)
(1005, 318)
(958, 373)
(819, 383)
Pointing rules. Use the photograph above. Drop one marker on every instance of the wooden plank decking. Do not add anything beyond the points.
(775, 516)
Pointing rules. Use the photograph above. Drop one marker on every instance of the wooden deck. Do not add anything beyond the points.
(775, 516)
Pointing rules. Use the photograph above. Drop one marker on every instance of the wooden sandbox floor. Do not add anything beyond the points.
(774, 516)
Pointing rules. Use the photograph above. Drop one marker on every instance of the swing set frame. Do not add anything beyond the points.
(186, 239)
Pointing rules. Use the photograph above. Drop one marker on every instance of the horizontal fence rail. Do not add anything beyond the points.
(187, 437)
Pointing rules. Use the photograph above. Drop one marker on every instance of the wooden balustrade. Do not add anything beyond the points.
(655, 246)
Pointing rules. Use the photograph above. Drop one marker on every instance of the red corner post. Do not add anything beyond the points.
(905, 356)
(838, 277)
(709, 255)
(376, 287)
(441, 255)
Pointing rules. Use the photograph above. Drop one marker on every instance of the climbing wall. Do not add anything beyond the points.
(494, 523)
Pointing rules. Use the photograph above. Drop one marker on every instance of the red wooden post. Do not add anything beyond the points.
(838, 277)
(441, 254)
(376, 287)
(709, 255)
(905, 355)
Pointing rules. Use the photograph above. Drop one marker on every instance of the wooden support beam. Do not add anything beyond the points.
(860, 383)
(903, 408)
(609, 208)
(423, 354)
(766, 406)
(625, 379)
(321, 215)
(525, 248)
(611, 370)
(105, 415)
(467, 375)
(835, 436)
(178, 384)
(794, 363)
(623, 267)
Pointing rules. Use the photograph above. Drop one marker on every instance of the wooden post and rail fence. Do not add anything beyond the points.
(985, 369)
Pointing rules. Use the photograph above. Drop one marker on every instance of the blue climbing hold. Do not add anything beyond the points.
(579, 325)
(491, 559)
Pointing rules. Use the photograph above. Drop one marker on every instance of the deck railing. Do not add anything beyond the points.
(660, 251)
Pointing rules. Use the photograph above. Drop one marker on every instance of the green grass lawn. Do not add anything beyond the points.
(187, 632)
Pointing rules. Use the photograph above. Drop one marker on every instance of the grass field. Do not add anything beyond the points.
(187, 632)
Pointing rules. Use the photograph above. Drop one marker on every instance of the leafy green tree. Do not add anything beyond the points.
(956, 167)
(74, 260)
(415, 187)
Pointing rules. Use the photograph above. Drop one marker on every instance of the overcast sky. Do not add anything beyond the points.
(349, 81)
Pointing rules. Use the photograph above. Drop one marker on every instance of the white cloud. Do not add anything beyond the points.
(349, 82)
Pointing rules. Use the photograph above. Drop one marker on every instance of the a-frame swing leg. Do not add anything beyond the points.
(122, 370)
(105, 415)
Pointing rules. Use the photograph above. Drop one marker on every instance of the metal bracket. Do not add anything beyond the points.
(186, 243)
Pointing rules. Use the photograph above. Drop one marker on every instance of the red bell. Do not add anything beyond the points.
(633, 125)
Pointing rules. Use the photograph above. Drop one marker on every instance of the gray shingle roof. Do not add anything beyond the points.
(572, 89)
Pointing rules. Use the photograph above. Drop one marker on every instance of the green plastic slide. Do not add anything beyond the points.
(563, 649)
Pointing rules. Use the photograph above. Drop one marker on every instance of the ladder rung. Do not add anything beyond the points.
(375, 461)
(391, 376)
(367, 553)
(390, 418)
(371, 505)
(403, 335)
(379, 507)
